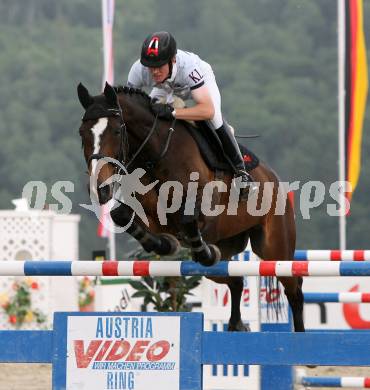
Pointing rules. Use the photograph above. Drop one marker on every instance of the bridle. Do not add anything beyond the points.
(121, 157)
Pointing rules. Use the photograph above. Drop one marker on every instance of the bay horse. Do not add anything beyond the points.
(119, 124)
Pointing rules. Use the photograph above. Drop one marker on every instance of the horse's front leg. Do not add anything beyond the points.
(162, 244)
(206, 255)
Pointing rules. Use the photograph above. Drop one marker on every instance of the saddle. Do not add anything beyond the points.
(211, 149)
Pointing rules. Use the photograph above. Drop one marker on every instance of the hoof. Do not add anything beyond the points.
(214, 256)
(238, 327)
(311, 366)
(169, 245)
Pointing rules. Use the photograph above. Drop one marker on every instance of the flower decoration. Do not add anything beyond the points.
(165, 293)
(86, 292)
(18, 304)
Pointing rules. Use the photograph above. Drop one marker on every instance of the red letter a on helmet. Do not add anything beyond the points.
(153, 47)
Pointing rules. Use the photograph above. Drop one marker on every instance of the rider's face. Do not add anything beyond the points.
(160, 74)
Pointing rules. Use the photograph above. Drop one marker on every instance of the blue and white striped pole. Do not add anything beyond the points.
(357, 382)
(182, 268)
(345, 297)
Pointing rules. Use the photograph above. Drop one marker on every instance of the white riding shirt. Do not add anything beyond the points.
(189, 72)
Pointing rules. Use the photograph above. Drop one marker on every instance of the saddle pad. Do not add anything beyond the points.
(211, 149)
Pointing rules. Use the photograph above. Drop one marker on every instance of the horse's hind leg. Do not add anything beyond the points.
(228, 248)
(235, 285)
(277, 242)
(293, 292)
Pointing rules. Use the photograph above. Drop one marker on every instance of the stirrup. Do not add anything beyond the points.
(244, 175)
(247, 185)
(246, 190)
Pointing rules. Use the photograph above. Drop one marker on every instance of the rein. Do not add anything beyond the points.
(166, 145)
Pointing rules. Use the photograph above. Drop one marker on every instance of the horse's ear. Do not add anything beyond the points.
(84, 97)
(110, 95)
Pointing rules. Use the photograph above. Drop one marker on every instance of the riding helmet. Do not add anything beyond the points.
(158, 49)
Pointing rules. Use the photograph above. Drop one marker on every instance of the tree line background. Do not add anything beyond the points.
(275, 62)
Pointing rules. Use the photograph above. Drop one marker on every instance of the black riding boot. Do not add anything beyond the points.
(235, 159)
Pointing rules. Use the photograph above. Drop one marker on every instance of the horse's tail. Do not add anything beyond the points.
(274, 299)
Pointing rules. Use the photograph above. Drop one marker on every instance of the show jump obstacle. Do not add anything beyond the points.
(137, 350)
(166, 351)
(183, 268)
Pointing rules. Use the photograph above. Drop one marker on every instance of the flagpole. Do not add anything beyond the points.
(341, 121)
(108, 75)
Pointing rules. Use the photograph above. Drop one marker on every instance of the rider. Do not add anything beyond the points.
(176, 72)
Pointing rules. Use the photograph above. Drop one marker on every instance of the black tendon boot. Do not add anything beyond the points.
(235, 159)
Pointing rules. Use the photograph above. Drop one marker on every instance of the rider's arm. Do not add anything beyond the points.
(135, 76)
(203, 109)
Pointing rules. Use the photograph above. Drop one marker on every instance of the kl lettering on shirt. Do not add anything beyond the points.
(195, 76)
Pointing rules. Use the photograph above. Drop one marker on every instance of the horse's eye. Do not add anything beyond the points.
(117, 131)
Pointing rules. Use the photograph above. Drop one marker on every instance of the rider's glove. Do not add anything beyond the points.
(164, 111)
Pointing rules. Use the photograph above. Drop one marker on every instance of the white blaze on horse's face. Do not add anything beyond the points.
(98, 130)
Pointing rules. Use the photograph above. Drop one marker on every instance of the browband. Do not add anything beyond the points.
(96, 111)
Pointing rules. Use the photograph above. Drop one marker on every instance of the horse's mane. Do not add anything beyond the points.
(136, 92)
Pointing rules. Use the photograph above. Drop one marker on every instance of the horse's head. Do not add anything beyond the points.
(103, 133)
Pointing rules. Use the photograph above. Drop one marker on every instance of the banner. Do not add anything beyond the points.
(356, 85)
